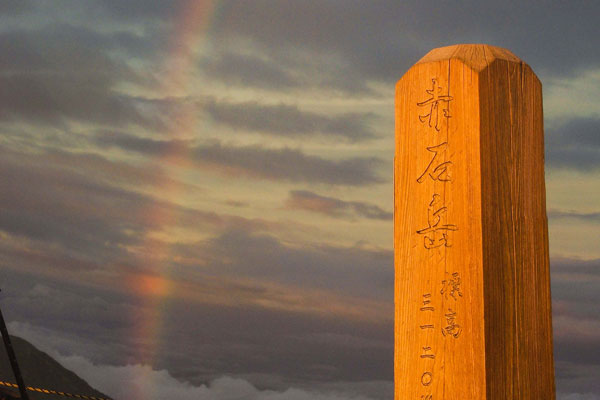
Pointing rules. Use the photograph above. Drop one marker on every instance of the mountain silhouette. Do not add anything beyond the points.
(42, 371)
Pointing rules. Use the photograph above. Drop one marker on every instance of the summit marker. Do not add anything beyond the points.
(472, 286)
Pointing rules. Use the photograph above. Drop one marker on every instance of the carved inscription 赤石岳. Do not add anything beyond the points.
(436, 169)
(434, 105)
(436, 234)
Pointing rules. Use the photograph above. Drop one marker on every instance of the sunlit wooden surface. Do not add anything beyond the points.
(473, 308)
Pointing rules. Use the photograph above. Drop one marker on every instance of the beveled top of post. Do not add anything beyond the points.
(475, 56)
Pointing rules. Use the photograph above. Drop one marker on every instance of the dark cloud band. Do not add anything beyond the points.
(309, 201)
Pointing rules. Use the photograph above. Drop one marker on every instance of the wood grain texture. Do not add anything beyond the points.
(472, 292)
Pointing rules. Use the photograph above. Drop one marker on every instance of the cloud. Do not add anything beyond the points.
(381, 40)
(572, 214)
(137, 10)
(576, 318)
(63, 73)
(575, 144)
(59, 216)
(147, 146)
(279, 164)
(334, 47)
(576, 321)
(249, 71)
(353, 271)
(563, 265)
(580, 330)
(572, 97)
(289, 121)
(108, 326)
(377, 41)
(577, 396)
(135, 381)
(142, 382)
(272, 345)
(63, 98)
(50, 203)
(576, 381)
(281, 120)
(287, 164)
(14, 6)
(309, 201)
(78, 204)
(291, 72)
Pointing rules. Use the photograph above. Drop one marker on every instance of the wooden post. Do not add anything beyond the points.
(472, 292)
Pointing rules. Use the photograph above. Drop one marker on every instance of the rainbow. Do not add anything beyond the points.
(193, 26)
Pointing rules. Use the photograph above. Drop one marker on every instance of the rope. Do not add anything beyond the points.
(48, 391)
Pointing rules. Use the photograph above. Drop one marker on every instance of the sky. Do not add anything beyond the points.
(196, 196)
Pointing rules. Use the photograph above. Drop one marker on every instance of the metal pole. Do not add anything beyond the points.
(13, 359)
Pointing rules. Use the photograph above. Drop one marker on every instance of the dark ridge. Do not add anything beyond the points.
(42, 371)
